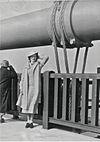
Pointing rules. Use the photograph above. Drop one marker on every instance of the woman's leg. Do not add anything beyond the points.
(31, 121)
(31, 118)
(28, 121)
(28, 118)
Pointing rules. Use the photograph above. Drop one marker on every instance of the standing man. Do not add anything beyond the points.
(7, 73)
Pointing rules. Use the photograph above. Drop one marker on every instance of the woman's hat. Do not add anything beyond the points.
(32, 53)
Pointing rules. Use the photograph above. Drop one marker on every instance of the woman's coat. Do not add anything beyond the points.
(6, 103)
(29, 94)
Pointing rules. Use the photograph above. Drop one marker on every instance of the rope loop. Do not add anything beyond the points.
(63, 37)
(55, 36)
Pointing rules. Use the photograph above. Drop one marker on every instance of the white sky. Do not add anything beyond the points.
(17, 57)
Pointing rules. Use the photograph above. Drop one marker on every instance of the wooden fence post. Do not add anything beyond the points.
(46, 99)
(13, 95)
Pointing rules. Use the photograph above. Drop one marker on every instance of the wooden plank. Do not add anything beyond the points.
(64, 99)
(86, 127)
(83, 108)
(87, 98)
(60, 97)
(55, 98)
(76, 75)
(78, 100)
(73, 111)
(94, 111)
(46, 100)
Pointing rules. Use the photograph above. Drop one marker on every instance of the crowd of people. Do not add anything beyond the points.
(28, 97)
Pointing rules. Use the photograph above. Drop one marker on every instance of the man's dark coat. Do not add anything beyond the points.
(7, 98)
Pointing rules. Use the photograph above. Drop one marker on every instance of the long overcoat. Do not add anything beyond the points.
(6, 77)
(30, 87)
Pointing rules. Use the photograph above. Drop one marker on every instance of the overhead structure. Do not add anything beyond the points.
(80, 20)
(67, 24)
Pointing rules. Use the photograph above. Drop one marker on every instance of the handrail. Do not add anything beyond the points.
(77, 75)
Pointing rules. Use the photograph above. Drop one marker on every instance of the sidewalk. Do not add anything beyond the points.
(14, 130)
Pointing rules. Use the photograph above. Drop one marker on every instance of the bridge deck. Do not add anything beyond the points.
(14, 130)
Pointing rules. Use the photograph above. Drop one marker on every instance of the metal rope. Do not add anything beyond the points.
(63, 36)
(54, 34)
(76, 60)
(85, 57)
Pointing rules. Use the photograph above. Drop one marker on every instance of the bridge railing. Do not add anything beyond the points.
(15, 91)
(72, 100)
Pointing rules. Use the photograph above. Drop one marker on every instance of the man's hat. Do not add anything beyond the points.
(4, 63)
(32, 53)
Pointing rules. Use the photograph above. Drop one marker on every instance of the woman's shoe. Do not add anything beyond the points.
(2, 120)
(27, 125)
(31, 125)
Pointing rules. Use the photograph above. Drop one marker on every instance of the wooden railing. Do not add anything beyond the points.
(72, 100)
(15, 91)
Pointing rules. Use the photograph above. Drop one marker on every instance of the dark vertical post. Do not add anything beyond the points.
(84, 109)
(46, 99)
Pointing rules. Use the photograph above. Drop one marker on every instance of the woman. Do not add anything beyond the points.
(7, 73)
(29, 86)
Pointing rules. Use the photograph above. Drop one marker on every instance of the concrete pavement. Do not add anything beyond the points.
(14, 130)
